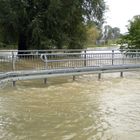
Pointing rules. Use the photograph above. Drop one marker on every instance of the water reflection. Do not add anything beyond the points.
(85, 109)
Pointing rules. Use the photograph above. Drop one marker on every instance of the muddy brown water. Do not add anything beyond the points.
(85, 109)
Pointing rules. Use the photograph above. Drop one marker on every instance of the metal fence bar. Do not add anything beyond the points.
(57, 59)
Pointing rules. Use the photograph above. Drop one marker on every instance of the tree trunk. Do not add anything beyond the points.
(22, 43)
(59, 44)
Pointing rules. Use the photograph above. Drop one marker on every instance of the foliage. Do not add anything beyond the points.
(132, 39)
(41, 24)
(93, 33)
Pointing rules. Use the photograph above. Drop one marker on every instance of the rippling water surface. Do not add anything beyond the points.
(85, 109)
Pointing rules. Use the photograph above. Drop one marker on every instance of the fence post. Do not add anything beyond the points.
(123, 59)
(13, 61)
(13, 67)
(112, 57)
(46, 62)
(85, 57)
(136, 56)
(46, 67)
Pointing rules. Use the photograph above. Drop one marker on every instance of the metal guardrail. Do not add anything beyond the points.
(34, 64)
(30, 75)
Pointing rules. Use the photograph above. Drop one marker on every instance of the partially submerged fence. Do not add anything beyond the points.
(34, 64)
(64, 59)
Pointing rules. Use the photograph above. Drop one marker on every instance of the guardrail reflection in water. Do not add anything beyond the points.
(59, 59)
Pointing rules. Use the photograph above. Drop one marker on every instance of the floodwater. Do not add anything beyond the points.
(85, 109)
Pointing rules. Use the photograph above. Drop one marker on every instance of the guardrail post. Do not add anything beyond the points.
(45, 81)
(14, 83)
(74, 77)
(99, 76)
(112, 57)
(121, 74)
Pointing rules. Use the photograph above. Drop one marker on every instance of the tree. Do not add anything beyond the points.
(52, 23)
(131, 40)
(110, 33)
(116, 33)
(93, 33)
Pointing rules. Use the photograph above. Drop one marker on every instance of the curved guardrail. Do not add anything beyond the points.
(30, 75)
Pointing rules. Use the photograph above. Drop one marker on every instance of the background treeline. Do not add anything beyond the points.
(48, 24)
(131, 40)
